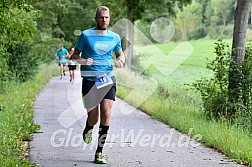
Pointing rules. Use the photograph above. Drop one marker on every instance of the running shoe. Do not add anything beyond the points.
(87, 136)
(98, 159)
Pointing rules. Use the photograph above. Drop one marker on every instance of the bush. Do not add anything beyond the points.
(58, 33)
(21, 64)
(198, 33)
(214, 91)
(4, 73)
(244, 116)
(218, 99)
(221, 32)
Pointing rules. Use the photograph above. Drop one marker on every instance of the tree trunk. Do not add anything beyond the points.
(184, 32)
(238, 51)
(129, 45)
(130, 34)
(251, 15)
(224, 18)
(240, 30)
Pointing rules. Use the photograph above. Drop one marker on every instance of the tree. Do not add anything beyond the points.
(238, 49)
(61, 22)
(77, 15)
(189, 18)
(221, 12)
(17, 28)
(62, 17)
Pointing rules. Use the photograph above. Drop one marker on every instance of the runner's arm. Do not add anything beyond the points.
(120, 59)
(78, 59)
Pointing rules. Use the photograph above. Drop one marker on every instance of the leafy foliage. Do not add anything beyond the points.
(188, 19)
(244, 114)
(215, 91)
(222, 13)
(62, 17)
(220, 32)
(21, 64)
(17, 27)
(45, 47)
(198, 33)
(147, 10)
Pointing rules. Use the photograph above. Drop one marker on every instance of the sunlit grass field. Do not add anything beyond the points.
(192, 68)
(173, 101)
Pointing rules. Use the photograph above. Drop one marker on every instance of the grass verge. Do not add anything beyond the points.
(181, 109)
(16, 117)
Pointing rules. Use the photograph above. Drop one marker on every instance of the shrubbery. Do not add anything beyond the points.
(215, 91)
(21, 64)
(17, 28)
(220, 32)
(198, 33)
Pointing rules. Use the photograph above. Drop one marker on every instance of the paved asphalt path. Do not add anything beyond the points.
(135, 139)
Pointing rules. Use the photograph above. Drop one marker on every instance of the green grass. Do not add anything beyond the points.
(175, 105)
(193, 68)
(16, 117)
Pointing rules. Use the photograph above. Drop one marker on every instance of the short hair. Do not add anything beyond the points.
(101, 8)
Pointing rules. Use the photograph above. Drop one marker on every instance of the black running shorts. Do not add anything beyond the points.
(72, 67)
(93, 96)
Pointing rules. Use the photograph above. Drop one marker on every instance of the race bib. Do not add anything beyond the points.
(102, 81)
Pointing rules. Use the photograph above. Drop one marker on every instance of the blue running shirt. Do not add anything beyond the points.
(62, 53)
(99, 48)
